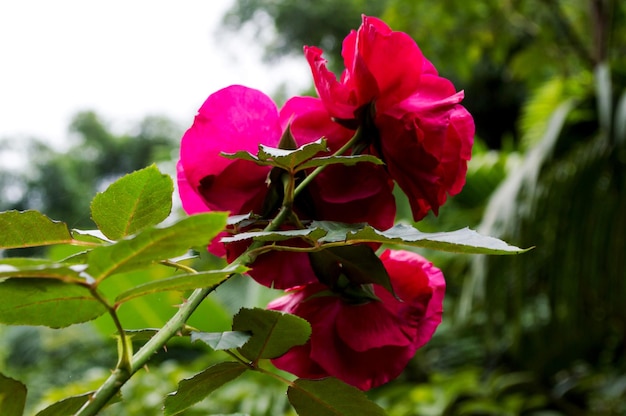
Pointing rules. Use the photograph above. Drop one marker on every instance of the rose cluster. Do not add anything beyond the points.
(388, 102)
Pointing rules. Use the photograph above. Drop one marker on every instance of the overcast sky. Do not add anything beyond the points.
(124, 59)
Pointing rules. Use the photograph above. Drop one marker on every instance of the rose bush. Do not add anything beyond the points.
(366, 344)
(410, 116)
(240, 118)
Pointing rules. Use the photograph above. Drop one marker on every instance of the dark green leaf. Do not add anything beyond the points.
(221, 340)
(186, 281)
(46, 302)
(12, 397)
(133, 202)
(343, 160)
(71, 405)
(330, 396)
(273, 333)
(155, 244)
(30, 229)
(358, 263)
(192, 390)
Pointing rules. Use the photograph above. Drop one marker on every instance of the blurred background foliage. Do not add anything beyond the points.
(543, 333)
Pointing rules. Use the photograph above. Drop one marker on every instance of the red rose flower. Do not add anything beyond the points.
(366, 344)
(239, 118)
(411, 117)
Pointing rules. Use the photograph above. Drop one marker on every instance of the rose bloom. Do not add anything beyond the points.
(366, 344)
(240, 118)
(411, 117)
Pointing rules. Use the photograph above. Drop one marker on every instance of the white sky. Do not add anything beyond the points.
(124, 59)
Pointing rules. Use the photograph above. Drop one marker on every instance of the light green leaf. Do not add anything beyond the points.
(46, 302)
(192, 390)
(273, 332)
(155, 244)
(221, 340)
(343, 160)
(133, 202)
(187, 281)
(31, 229)
(330, 397)
(12, 397)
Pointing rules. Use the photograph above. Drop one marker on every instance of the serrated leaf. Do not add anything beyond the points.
(135, 201)
(464, 240)
(289, 159)
(192, 390)
(459, 241)
(12, 397)
(222, 340)
(46, 302)
(339, 160)
(273, 332)
(282, 158)
(187, 281)
(154, 244)
(358, 263)
(67, 274)
(330, 397)
(309, 233)
(30, 229)
(71, 405)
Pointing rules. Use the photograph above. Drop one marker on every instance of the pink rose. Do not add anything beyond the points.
(366, 344)
(240, 118)
(411, 117)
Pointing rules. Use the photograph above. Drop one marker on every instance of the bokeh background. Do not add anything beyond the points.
(93, 90)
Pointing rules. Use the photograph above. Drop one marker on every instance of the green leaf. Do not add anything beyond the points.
(459, 241)
(41, 269)
(273, 332)
(192, 390)
(12, 397)
(46, 302)
(221, 340)
(343, 160)
(31, 228)
(135, 201)
(358, 263)
(71, 405)
(312, 234)
(282, 158)
(155, 244)
(330, 396)
(187, 281)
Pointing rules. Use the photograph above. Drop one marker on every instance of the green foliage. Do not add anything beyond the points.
(12, 396)
(46, 302)
(222, 340)
(330, 397)
(31, 228)
(136, 201)
(273, 333)
(191, 391)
